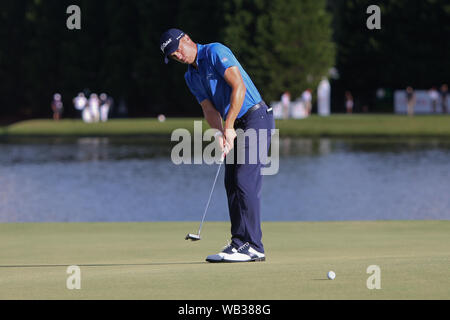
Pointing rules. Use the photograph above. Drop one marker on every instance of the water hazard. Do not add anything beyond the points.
(133, 179)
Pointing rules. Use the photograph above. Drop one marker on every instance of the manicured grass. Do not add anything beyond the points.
(153, 261)
(368, 125)
(70, 127)
(314, 126)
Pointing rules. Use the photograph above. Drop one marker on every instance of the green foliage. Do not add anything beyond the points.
(283, 45)
(411, 48)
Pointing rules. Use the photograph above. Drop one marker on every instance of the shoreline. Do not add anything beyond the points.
(334, 126)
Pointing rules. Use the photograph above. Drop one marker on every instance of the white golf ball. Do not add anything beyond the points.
(331, 275)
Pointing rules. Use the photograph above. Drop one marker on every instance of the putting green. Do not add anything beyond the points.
(153, 261)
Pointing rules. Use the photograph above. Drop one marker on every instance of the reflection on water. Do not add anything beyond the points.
(133, 179)
(39, 150)
(290, 147)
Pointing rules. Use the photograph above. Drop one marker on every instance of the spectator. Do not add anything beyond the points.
(349, 102)
(323, 97)
(110, 101)
(434, 96)
(94, 107)
(307, 98)
(444, 94)
(411, 100)
(80, 102)
(57, 107)
(286, 103)
(104, 107)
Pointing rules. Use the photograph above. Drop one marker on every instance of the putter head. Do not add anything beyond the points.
(193, 237)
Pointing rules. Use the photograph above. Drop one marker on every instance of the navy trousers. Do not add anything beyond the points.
(243, 181)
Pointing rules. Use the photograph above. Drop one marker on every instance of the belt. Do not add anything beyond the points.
(250, 111)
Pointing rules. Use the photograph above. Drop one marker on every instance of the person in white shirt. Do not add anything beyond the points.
(348, 102)
(80, 102)
(434, 96)
(307, 98)
(286, 104)
(323, 97)
(94, 107)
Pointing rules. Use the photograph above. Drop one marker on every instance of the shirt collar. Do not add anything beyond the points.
(201, 52)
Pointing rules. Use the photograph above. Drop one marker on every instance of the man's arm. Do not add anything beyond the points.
(212, 116)
(215, 121)
(234, 79)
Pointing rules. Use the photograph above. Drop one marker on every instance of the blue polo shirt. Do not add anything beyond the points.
(208, 82)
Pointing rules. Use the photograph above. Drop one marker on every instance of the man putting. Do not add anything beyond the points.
(226, 93)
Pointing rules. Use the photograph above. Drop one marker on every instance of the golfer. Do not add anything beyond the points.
(229, 100)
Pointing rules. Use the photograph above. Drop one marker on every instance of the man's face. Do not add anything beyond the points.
(186, 52)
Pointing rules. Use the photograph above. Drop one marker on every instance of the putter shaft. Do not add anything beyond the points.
(210, 194)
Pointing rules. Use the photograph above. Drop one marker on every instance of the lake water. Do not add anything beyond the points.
(133, 179)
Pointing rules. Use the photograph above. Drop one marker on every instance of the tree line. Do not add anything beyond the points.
(283, 45)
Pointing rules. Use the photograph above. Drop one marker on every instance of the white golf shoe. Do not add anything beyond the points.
(227, 251)
(245, 253)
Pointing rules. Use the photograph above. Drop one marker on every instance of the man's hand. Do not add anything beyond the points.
(229, 135)
(225, 147)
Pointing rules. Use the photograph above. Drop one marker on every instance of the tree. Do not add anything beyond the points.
(282, 44)
(411, 48)
(12, 51)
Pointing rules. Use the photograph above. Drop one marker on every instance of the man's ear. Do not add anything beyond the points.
(187, 38)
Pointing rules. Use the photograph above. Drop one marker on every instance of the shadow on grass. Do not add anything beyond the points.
(101, 264)
(321, 279)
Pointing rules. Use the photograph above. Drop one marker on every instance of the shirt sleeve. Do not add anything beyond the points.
(195, 86)
(222, 58)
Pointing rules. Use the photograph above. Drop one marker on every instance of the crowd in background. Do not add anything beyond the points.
(434, 100)
(301, 107)
(95, 108)
(436, 97)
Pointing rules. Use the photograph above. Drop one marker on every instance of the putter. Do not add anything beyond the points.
(196, 237)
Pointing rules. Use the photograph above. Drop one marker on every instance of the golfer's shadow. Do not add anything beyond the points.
(102, 264)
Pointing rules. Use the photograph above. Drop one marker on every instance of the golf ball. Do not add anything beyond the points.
(331, 275)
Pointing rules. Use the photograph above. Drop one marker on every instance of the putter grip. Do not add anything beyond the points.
(222, 158)
(223, 154)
